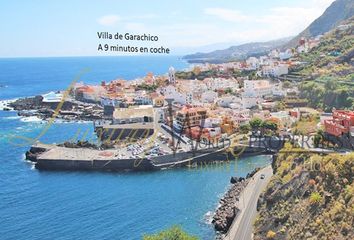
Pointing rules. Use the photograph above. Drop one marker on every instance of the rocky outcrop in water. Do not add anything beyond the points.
(69, 110)
(34, 152)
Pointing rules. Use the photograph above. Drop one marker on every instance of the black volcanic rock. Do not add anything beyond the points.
(227, 211)
(33, 153)
(234, 180)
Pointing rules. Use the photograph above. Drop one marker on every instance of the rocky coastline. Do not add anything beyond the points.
(228, 210)
(71, 110)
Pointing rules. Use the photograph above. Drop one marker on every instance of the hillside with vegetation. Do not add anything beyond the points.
(337, 12)
(330, 67)
(309, 197)
(172, 233)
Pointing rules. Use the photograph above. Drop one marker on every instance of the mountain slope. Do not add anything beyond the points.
(338, 11)
(330, 70)
(236, 52)
(309, 197)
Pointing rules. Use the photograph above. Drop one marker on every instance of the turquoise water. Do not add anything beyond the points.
(86, 205)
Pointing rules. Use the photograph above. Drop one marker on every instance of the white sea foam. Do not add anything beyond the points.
(208, 217)
(12, 117)
(4, 103)
(31, 119)
(62, 121)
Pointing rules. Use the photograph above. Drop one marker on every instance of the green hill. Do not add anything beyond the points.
(309, 197)
(330, 68)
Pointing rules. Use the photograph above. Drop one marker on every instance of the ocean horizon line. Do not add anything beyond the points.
(91, 56)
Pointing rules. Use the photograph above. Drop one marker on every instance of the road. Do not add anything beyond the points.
(242, 227)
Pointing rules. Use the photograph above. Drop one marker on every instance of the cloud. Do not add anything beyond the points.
(145, 16)
(321, 4)
(135, 26)
(287, 21)
(277, 22)
(226, 14)
(109, 20)
(226, 24)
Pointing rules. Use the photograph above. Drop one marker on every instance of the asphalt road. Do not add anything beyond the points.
(242, 227)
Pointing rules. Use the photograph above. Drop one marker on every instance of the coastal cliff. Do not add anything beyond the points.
(309, 197)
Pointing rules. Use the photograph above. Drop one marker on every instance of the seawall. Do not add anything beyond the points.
(93, 160)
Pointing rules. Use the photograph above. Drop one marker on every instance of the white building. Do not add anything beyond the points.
(257, 88)
(93, 94)
(252, 63)
(188, 97)
(264, 60)
(52, 97)
(171, 92)
(133, 115)
(221, 83)
(226, 101)
(209, 96)
(171, 75)
(274, 53)
(249, 102)
(212, 122)
(281, 69)
(278, 90)
(106, 101)
(275, 71)
(285, 55)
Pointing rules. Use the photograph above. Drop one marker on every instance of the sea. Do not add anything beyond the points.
(95, 205)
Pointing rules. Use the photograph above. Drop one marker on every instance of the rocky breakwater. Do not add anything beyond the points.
(70, 109)
(35, 150)
(228, 204)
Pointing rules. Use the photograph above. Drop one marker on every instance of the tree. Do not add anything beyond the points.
(318, 139)
(173, 233)
(270, 125)
(280, 105)
(286, 84)
(228, 91)
(255, 123)
(245, 128)
(196, 70)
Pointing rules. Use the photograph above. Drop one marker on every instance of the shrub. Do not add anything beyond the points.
(173, 233)
(271, 234)
(315, 198)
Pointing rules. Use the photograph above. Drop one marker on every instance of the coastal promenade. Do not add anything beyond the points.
(242, 226)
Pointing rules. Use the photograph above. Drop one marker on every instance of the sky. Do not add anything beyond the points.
(69, 28)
